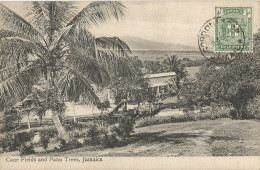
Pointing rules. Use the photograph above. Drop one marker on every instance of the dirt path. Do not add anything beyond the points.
(202, 142)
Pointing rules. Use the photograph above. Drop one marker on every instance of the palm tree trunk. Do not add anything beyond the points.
(61, 131)
(29, 126)
(74, 116)
(18, 119)
(56, 120)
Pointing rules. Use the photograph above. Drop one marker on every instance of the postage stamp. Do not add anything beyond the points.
(233, 29)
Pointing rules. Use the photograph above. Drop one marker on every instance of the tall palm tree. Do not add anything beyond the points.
(52, 45)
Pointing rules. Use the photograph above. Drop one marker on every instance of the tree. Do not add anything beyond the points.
(173, 64)
(235, 84)
(52, 45)
(8, 120)
(154, 66)
(134, 88)
(190, 96)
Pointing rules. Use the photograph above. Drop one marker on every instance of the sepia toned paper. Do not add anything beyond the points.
(216, 32)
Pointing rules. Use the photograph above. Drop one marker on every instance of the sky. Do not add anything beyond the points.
(161, 21)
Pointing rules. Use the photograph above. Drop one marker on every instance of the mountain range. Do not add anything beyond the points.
(136, 43)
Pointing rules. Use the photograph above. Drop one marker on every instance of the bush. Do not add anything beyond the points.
(94, 133)
(210, 113)
(10, 116)
(8, 143)
(71, 126)
(109, 140)
(12, 141)
(113, 135)
(253, 108)
(72, 144)
(46, 135)
(125, 126)
(26, 148)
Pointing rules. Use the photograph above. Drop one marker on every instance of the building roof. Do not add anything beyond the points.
(158, 84)
(160, 79)
(167, 74)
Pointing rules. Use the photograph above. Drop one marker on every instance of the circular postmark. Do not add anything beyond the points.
(208, 38)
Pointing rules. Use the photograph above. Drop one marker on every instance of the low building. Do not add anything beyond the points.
(160, 82)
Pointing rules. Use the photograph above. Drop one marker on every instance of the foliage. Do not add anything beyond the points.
(94, 133)
(35, 103)
(125, 125)
(253, 108)
(193, 63)
(173, 64)
(45, 136)
(103, 106)
(112, 134)
(52, 48)
(134, 88)
(190, 96)
(235, 84)
(154, 66)
(72, 144)
(26, 148)
(10, 116)
(12, 141)
(211, 113)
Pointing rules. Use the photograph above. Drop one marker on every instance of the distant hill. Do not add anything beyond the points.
(140, 44)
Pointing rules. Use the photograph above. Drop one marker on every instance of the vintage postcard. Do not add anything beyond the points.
(130, 84)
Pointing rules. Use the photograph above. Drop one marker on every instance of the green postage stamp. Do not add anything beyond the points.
(233, 29)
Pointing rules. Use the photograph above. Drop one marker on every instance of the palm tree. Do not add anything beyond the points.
(173, 64)
(52, 47)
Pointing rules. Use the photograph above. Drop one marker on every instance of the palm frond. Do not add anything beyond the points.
(98, 12)
(9, 71)
(80, 41)
(16, 50)
(60, 35)
(73, 84)
(18, 86)
(44, 15)
(15, 22)
(8, 34)
(113, 53)
(114, 63)
(114, 44)
(91, 69)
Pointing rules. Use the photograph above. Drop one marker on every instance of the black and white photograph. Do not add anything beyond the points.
(87, 81)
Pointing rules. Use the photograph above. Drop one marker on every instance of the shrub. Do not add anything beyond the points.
(253, 108)
(72, 144)
(210, 113)
(109, 136)
(12, 141)
(109, 140)
(46, 135)
(26, 148)
(71, 126)
(125, 126)
(10, 116)
(8, 143)
(94, 133)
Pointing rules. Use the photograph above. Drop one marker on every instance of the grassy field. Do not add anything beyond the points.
(153, 54)
(222, 137)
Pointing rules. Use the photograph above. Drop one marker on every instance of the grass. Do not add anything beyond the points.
(221, 137)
